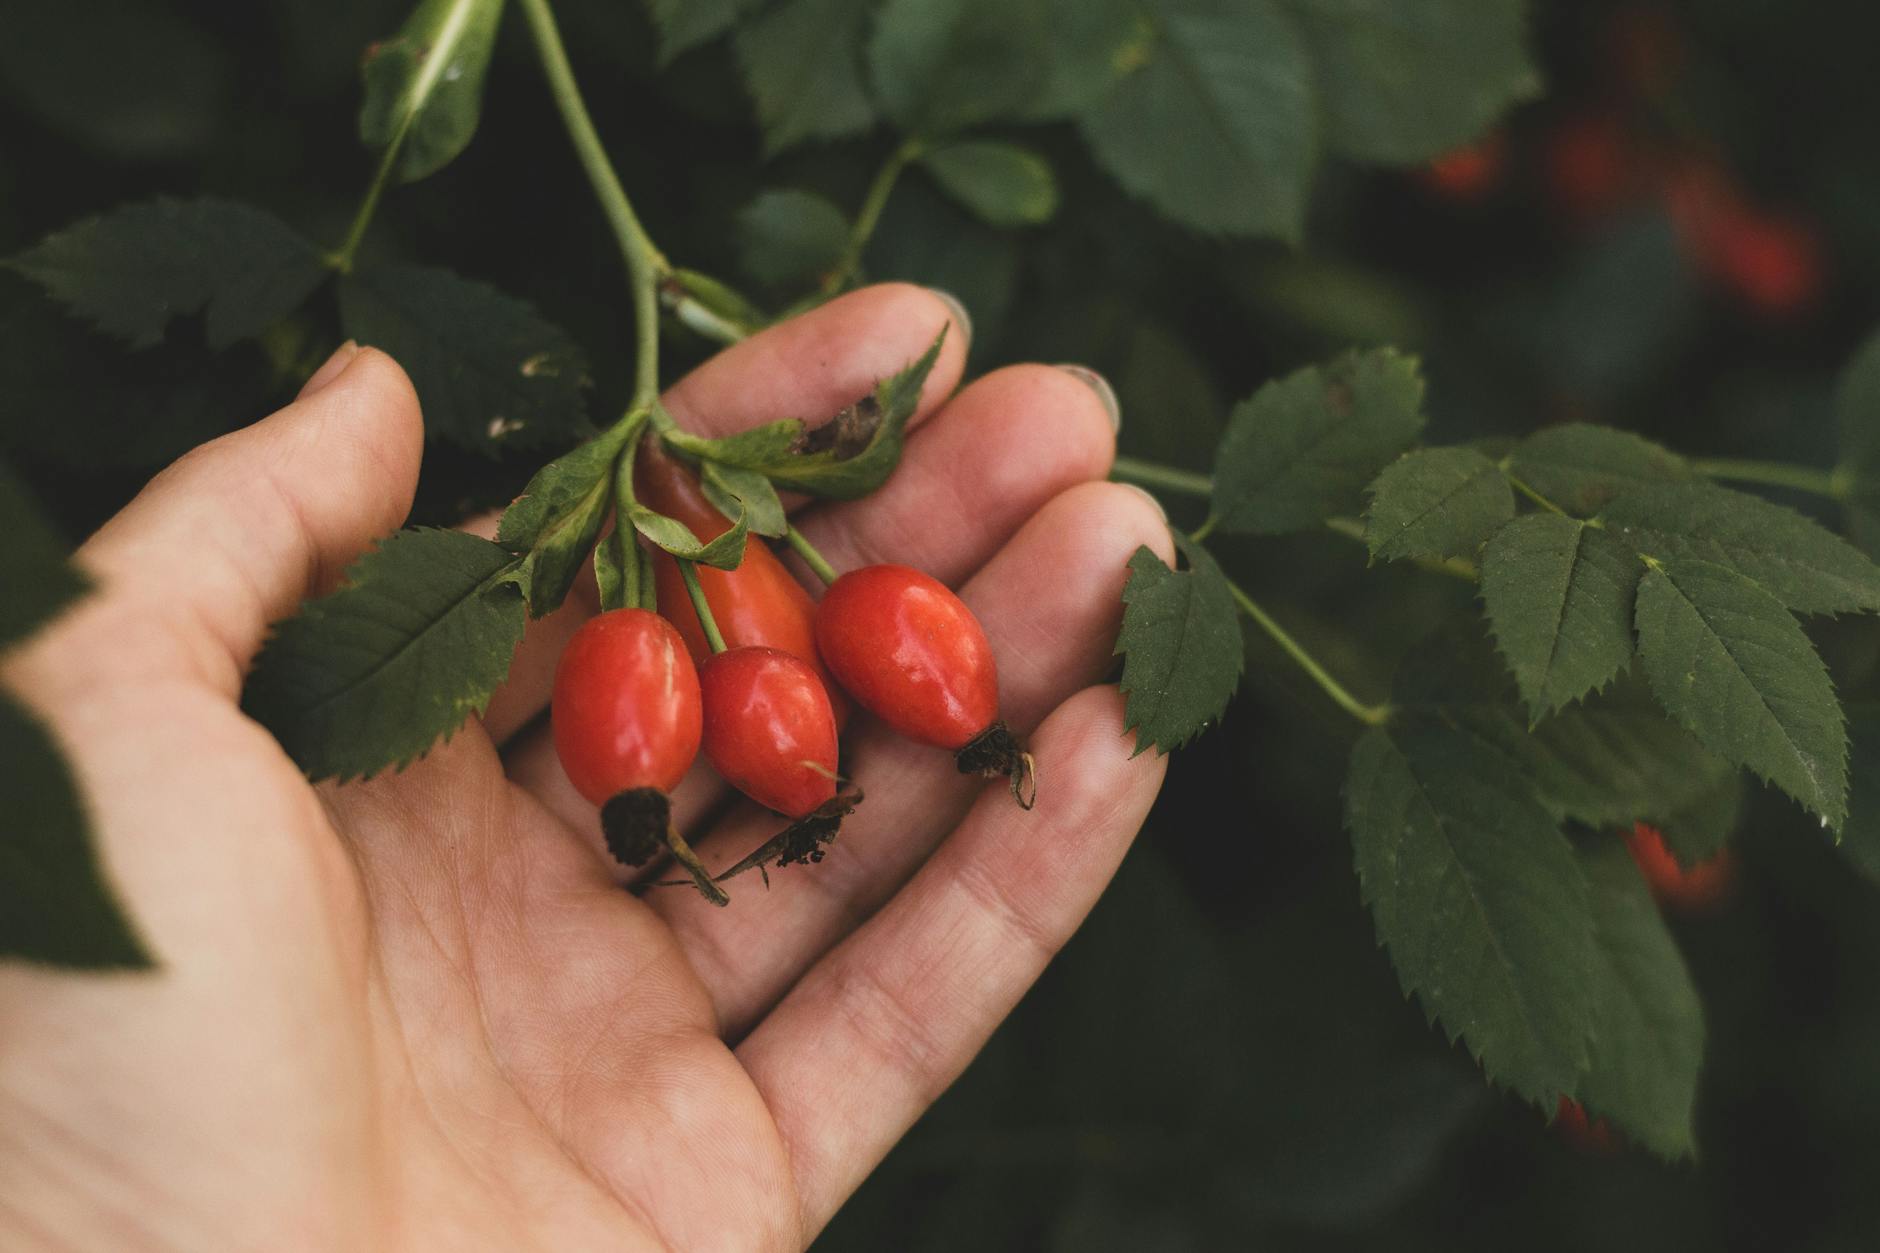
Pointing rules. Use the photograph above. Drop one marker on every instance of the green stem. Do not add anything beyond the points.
(688, 570)
(645, 264)
(633, 584)
(869, 216)
(807, 551)
(1833, 484)
(341, 258)
(1168, 478)
(1454, 567)
(1534, 496)
(1370, 715)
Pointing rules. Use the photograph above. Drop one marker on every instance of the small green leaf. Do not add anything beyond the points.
(1648, 1024)
(802, 63)
(1001, 183)
(413, 643)
(490, 373)
(56, 905)
(1559, 595)
(785, 236)
(725, 552)
(1436, 502)
(1803, 564)
(1301, 449)
(848, 456)
(38, 579)
(685, 24)
(1213, 122)
(1480, 901)
(1181, 647)
(1402, 82)
(734, 490)
(132, 271)
(559, 516)
(424, 85)
(1727, 661)
(1581, 467)
(943, 66)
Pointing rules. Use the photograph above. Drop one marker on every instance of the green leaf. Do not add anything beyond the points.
(1401, 81)
(1436, 502)
(39, 581)
(1727, 661)
(1860, 837)
(685, 24)
(848, 456)
(56, 905)
(559, 516)
(413, 643)
(943, 66)
(802, 63)
(1559, 595)
(784, 236)
(424, 85)
(1699, 827)
(490, 373)
(1301, 449)
(134, 270)
(1648, 1024)
(1480, 901)
(1181, 647)
(1093, 44)
(734, 490)
(1803, 564)
(1001, 183)
(1581, 467)
(725, 552)
(1214, 122)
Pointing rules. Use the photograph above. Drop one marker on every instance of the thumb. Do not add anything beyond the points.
(232, 536)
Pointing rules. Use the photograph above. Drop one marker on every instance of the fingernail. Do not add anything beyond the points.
(1147, 495)
(334, 367)
(956, 311)
(1101, 386)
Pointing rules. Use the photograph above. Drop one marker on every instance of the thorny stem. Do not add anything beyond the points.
(869, 216)
(645, 264)
(814, 560)
(1370, 715)
(1835, 484)
(688, 570)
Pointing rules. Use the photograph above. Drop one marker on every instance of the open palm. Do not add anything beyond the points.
(421, 1011)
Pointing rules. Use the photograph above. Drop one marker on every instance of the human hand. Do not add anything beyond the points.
(419, 1011)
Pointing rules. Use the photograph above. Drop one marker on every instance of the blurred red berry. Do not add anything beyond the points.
(1584, 1134)
(1692, 889)
(1467, 174)
(1590, 167)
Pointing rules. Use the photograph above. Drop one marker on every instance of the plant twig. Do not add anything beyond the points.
(1833, 484)
(1370, 715)
(869, 216)
(1168, 478)
(688, 570)
(807, 551)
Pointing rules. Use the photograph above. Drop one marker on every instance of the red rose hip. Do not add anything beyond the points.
(769, 728)
(910, 652)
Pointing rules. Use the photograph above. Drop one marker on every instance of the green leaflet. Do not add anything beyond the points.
(424, 85)
(1181, 647)
(1436, 502)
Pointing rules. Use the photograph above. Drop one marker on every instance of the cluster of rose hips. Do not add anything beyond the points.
(762, 685)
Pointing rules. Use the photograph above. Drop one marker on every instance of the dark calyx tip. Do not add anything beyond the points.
(996, 751)
(635, 823)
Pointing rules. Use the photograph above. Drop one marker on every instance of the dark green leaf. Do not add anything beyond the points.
(784, 236)
(558, 518)
(1581, 467)
(734, 490)
(942, 66)
(424, 85)
(726, 552)
(1001, 183)
(848, 456)
(1480, 901)
(1559, 595)
(38, 581)
(1213, 123)
(1405, 80)
(1803, 564)
(802, 62)
(1092, 45)
(133, 270)
(56, 905)
(1436, 502)
(1727, 661)
(1301, 449)
(685, 24)
(1860, 837)
(1181, 647)
(490, 372)
(1648, 1025)
(1698, 828)
(414, 642)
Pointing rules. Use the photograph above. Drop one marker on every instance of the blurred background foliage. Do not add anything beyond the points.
(1222, 1058)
